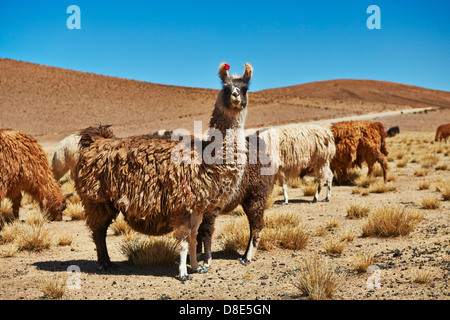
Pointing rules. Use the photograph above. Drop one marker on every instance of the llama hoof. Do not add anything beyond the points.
(325, 200)
(202, 269)
(184, 278)
(284, 203)
(244, 261)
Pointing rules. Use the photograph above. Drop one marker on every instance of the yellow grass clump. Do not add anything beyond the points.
(356, 211)
(53, 287)
(316, 279)
(430, 203)
(391, 222)
(283, 230)
(362, 261)
(151, 251)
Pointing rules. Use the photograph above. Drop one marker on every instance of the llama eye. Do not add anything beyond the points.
(244, 90)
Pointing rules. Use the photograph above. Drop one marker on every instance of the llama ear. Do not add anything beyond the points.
(248, 72)
(223, 71)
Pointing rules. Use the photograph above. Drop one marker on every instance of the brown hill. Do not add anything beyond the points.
(50, 103)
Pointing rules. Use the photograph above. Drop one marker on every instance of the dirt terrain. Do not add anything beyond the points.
(50, 103)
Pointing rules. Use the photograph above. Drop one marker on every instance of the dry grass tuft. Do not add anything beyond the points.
(391, 222)
(75, 211)
(334, 247)
(424, 185)
(120, 226)
(151, 251)
(53, 287)
(310, 190)
(316, 279)
(430, 203)
(33, 237)
(423, 276)
(6, 212)
(362, 261)
(356, 211)
(381, 187)
(283, 230)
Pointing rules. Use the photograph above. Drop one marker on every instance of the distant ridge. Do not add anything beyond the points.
(50, 103)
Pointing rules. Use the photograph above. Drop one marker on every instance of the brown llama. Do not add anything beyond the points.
(161, 185)
(442, 132)
(253, 194)
(24, 167)
(358, 142)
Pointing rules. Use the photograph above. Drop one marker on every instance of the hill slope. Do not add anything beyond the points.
(50, 103)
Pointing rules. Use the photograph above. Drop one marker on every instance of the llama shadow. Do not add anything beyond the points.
(118, 268)
(281, 202)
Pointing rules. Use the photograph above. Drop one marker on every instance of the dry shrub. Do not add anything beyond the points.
(273, 195)
(391, 222)
(282, 230)
(362, 261)
(33, 237)
(356, 211)
(310, 190)
(422, 276)
(53, 287)
(120, 226)
(334, 247)
(295, 182)
(316, 279)
(75, 211)
(381, 187)
(429, 161)
(64, 239)
(441, 166)
(420, 172)
(424, 185)
(402, 163)
(151, 251)
(6, 212)
(430, 203)
(365, 182)
(347, 236)
(444, 188)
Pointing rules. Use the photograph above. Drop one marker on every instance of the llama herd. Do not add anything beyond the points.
(161, 184)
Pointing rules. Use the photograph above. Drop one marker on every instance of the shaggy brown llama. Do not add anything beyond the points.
(358, 142)
(161, 185)
(442, 132)
(24, 167)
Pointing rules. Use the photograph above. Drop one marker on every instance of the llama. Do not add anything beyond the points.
(358, 142)
(253, 193)
(25, 168)
(161, 185)
(65, 156)
(299, 150)
(442, 132)
(393, 131)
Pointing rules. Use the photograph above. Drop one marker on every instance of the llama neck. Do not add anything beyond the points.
(224, 118)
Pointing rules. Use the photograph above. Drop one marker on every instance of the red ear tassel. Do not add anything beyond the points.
(227, 66)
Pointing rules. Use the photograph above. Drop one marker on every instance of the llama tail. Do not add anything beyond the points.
(92, 134)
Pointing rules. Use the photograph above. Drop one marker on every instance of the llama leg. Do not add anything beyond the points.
(16, 205)
(195, 222)
(255, 214)
(205, 232)
(98, 219)
(329, 175)
(184, 249)
(286, 199)
(316, 196)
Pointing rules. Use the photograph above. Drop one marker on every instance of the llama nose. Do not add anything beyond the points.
(235, 92)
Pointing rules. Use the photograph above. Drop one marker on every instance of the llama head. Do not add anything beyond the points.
(234, 91)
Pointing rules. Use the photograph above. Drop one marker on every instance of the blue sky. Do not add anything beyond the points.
(287, 42)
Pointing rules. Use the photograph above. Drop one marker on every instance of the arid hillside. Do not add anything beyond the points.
(50, 103)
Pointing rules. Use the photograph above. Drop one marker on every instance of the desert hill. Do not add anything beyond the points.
(50, 103)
